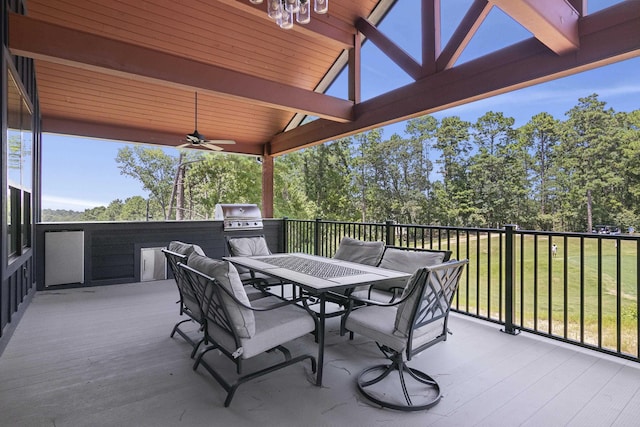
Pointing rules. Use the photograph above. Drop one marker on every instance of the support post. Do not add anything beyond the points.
(509, 259)
(267, 183)
(390, 235)
(316, 237)
(285, 234)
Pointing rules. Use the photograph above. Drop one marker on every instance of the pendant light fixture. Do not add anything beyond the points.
(283, 12)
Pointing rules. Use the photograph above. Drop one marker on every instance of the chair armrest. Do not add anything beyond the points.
(233, 297)
(175, 254)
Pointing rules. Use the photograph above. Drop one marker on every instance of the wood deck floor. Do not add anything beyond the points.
(103, 357)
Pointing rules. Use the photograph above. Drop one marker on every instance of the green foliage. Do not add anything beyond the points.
(153, 168)
(548, 174)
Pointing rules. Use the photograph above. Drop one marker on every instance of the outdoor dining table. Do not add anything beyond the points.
(318, 276)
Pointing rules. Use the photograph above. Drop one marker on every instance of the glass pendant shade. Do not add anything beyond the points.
(293, 5)
(287, 19)
(275, 9)
(321, 6)
(304, 13)
(285, 11)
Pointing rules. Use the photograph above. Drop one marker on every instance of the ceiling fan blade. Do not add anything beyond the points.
(185, 145)
(221, 141)
(210, 146)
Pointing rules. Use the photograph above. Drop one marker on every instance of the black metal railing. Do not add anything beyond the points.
(580, 288)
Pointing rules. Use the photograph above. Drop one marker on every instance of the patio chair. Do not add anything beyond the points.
(358, 251)
(175, 253)
(407, 260)
(240, 329)
(252, 246)
(402, 330)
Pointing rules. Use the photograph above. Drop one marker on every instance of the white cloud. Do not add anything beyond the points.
(55, 202)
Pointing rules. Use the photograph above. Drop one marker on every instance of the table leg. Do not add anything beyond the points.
(321, 319)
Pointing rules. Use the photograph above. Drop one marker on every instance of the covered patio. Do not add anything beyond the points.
(103, 357)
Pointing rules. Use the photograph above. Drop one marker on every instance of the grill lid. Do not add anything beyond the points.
(238, 216)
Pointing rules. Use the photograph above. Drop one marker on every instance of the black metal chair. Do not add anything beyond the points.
(175, 253)
(241, 329)
(358, 251)
(253, 246)
(402, 329)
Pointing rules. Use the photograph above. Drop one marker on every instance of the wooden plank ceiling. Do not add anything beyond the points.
(128, 70)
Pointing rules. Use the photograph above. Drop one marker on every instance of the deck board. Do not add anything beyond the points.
(103, 356)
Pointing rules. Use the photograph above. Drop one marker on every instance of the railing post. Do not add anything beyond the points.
(285, 235)
(509, 271)
(390, 235)
(316, 237)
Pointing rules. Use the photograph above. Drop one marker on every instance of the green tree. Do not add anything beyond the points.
(289, 197)
(221, 178)
(153, 168)
(541, 135)
(591, 162)
(497, 170)
(453, 195)
(328, 179)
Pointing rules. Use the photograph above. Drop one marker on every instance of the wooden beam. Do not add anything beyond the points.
(324, 27)
(553, 22)
(430, 35)
(463, 34)
(355, 71)
(606, 37)
(123, 133)
(267, 184)
(395, 53)
(41, 40)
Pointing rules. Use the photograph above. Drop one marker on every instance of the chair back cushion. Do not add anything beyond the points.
(241, 319)
(409, 261)
(248, 246)
(184, 248)
(354, 250)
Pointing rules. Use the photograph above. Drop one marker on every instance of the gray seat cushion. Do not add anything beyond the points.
(273, 328)
(241, 318)
(377, 323)
(354, 250)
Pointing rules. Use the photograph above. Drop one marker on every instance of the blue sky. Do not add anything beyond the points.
(80, 173)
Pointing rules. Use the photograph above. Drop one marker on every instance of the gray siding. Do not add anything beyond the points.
(112, 250)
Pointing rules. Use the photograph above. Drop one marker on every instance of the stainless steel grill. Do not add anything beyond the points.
(237, 216)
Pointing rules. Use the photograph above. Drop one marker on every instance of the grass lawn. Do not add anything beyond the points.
(549, 289)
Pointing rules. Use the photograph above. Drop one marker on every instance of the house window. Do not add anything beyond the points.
(19, 169)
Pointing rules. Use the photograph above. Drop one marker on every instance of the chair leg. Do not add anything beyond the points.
(176, 328)
(397, 364)
(196, 347)
(231, 388)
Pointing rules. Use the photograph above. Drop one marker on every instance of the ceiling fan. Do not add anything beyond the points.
(197, 140)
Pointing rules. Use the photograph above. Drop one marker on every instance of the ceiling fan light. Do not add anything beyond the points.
(255, 1)
(321, 6)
